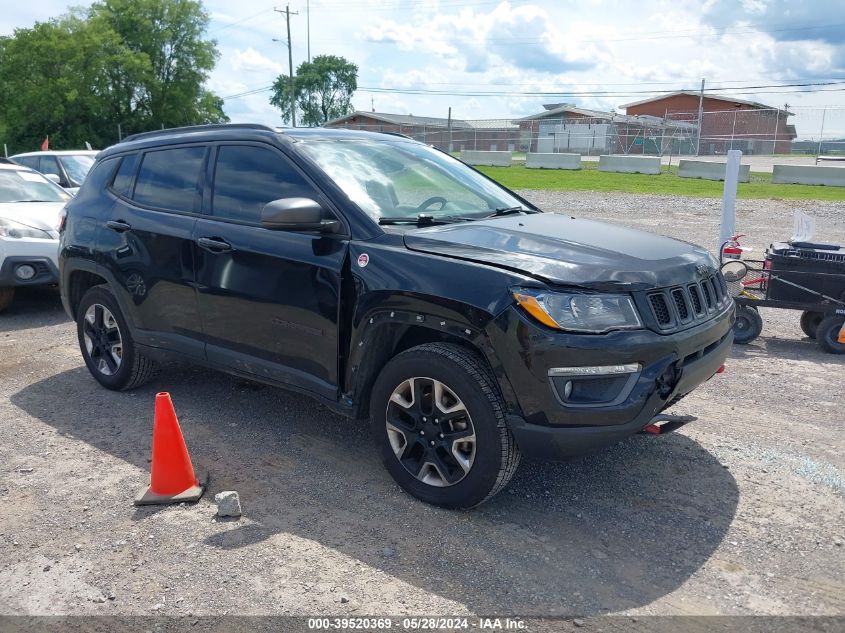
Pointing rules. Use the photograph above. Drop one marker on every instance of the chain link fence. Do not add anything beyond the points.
(811, 131)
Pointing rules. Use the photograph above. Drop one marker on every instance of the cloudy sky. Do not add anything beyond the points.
(422, 56)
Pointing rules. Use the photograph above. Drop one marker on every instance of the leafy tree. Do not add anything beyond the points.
(164, 83)
(322, 90)
(137, 63)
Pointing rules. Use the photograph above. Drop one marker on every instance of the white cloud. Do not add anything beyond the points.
(250, 60)
(519, 46)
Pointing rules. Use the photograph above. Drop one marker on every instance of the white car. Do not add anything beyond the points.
(66, 168)
(30, 212)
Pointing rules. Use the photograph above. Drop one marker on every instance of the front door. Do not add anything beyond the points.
(268, 299)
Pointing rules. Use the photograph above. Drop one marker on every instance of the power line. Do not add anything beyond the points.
(761, 89)
(238, 22)
(591, 93)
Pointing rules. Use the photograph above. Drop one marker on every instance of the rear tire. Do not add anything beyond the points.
(7, 295)
(748, 325)
(810, 322)
(439, 421)
(106, 343)
(828, 333)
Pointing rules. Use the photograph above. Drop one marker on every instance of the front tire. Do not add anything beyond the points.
(7, 295)
(748, 325)
(106, 343)
(439, 422)
(827, 334)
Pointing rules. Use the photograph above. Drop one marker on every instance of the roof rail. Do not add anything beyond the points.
(200, 128)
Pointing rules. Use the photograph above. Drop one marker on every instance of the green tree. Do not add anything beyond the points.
(322, 90)
(140, 64)
(163, 85)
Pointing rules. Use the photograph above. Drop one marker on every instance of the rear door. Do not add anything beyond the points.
(268, 299)
(148, 247)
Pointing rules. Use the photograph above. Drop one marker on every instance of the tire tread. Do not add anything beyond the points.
(477, 369)
(143, 368)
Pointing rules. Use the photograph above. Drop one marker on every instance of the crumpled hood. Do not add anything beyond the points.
(568, 251)
(39, 215)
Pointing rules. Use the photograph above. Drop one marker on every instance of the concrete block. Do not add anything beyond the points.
(490, 159)
(809, 175)
(630, 164)
(709, 170)
(534, 160)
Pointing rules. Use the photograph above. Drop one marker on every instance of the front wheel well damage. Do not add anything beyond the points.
(385, 342)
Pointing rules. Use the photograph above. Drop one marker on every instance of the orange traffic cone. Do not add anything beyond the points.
(172, 478)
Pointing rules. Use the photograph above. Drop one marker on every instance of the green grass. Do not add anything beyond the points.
(589, 178)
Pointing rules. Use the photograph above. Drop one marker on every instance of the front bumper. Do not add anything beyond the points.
(42, 255)
(545, 426)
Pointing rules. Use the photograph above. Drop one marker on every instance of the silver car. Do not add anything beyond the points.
(66, 168)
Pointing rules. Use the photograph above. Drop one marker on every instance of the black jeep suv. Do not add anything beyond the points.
(390, 281)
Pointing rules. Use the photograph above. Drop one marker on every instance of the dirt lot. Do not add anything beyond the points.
(742, 512)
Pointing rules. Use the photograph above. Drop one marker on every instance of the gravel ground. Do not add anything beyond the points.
(742, 512)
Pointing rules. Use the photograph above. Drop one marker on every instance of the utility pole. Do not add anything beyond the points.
(449, 128)
(700, 118)
(289, 13)
(308, 26)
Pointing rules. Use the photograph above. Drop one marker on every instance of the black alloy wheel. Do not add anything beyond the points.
(430, 431)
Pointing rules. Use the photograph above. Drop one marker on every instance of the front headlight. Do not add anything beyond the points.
(16, 230)
(594, 313)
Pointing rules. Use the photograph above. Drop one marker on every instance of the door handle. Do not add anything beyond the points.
(118, 225)
(214, 245)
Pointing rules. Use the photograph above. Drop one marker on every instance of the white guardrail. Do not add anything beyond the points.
(809, 175)
(630, 164)
(489, 159)
(535, 160)
(709, 170)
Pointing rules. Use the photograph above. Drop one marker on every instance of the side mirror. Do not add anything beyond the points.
(296, 214)
(53, 178)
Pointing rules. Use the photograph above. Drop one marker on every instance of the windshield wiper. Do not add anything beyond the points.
(507, 211)
(36, 200)
(422, 220)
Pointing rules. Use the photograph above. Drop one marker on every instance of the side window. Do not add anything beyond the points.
(125, 174)
(28, 161)
(170, 179)
(248, 177)
(49, 165)
(99, 176)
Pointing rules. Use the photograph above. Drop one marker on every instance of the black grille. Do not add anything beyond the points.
(660, 309)
(707, 291)
(40, 268)
(680, 304)
(717, 289)
(695, 295)
(690, 304)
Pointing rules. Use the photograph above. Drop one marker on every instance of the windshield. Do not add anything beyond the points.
(403, 179)
(27, 186)
(77, 167)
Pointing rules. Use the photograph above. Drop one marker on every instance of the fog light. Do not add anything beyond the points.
(24, 272)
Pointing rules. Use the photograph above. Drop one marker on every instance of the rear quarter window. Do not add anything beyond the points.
(125, 175)
(99, 176)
